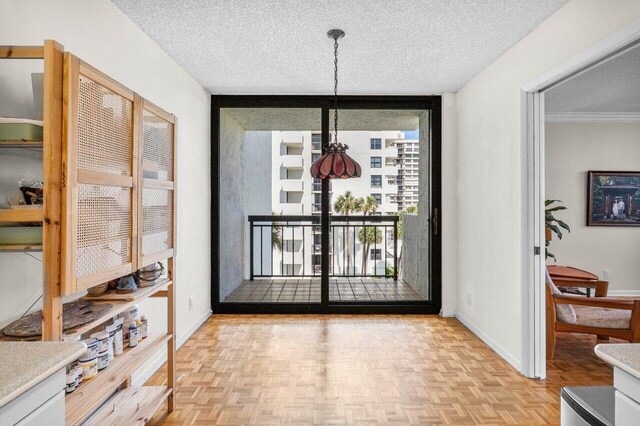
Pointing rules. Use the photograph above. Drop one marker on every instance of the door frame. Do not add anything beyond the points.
(533, 189)
(433, 104)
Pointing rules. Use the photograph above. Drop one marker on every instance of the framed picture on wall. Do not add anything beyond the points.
(613, 199)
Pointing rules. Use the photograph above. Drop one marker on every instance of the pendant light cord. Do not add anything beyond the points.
(335, 91)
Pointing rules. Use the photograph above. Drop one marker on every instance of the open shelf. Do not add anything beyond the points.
(20, 247)
(22, 215)
(117, 308)
(130, 406)
(136, 295)
(90, 394)
(20, 144)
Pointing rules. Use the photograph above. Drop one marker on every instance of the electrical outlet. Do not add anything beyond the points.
(190, 302)
(606, 275)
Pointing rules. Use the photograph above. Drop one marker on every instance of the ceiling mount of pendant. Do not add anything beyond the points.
(335, 34)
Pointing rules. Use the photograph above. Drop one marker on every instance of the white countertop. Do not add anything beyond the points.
(24, 364)
(625, 356)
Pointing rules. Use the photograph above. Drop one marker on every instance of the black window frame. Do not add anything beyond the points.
(432, 105)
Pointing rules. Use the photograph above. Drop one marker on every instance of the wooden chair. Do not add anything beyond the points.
(600, 315)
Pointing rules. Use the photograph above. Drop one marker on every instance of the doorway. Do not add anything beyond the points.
(330, 246)
(533, 109)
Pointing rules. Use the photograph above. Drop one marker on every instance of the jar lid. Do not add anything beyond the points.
(87, 358)
(90, 342)
(101, 335)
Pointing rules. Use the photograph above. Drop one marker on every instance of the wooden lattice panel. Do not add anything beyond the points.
(103, 240)
(157, 147)
(157, 220)
(105, 125)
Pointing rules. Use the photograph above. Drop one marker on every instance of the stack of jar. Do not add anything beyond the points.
(135, 326)
(102, 347)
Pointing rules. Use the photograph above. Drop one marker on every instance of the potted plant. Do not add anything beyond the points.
(553, 225)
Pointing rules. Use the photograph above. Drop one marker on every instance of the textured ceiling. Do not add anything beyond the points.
(309, 119)
(612, 86)
(391, 47)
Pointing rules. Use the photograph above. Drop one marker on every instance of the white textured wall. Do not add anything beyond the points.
(256, 167)
(100, 34)
(232, 219)
(572, 149)
(410, 256)
(489, 159)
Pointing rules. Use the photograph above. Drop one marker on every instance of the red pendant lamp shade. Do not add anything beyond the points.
(336, 164)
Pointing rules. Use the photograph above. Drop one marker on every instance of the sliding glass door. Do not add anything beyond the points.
(283, 241)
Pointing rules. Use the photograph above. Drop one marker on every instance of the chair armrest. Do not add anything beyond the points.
(601, 287)
(598, 302)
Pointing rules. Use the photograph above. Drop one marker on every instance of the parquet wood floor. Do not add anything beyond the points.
(363, 370)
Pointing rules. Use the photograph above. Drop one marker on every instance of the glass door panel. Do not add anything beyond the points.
(270, 245)
(380, 236)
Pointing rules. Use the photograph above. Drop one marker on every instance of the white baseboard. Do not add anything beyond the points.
(445, 313)
(624, 293)
(506, 355)
(155, 362)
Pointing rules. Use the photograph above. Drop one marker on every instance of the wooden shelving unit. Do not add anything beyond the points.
(118, 308)
(20, 248)
(20, 144)
(109, 210)
(22, 215)
(93, 393)
(130, 407)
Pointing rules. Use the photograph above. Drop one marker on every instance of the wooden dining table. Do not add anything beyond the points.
(573, 277)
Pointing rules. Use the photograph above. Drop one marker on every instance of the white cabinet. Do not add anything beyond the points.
(49, 413)
(42, 404)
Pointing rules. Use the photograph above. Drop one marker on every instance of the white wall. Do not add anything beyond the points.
(100, 34)
(489, 166)
(571, 150)
(232, 218)
(257, 189)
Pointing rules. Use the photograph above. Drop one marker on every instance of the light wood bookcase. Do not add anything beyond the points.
(109, 176)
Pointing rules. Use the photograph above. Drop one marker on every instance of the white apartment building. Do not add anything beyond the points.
(389, 174)
(407, 181)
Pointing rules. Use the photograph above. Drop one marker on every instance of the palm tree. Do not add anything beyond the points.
(276, 235)
(345, 205)
(367, 236)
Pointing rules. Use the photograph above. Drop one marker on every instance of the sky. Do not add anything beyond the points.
(411, 135)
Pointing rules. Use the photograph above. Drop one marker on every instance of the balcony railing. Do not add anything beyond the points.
(288, 246)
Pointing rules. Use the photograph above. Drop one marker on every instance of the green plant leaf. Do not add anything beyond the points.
(555, 209)
(556, 230)
(563, 224)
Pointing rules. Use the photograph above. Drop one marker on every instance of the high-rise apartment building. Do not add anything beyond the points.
(389, 174)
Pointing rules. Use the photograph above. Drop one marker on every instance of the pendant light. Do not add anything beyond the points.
(335, 163)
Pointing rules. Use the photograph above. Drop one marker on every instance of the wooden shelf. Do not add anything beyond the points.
(117, 308)
(130, 406)
(22, 215)
(20, 144)
(20, 248)
(90, 394)
(136, 295)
